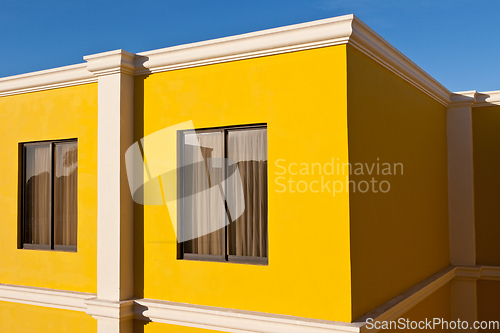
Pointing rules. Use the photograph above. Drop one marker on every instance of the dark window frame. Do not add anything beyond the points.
(225, 257)
(21, 199)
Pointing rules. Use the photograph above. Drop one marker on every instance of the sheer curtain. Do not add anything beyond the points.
(247, 235)
(65, 193)
(37, 195)
(203, 208)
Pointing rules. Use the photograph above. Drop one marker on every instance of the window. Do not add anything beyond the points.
(48, 204)
(222, 191)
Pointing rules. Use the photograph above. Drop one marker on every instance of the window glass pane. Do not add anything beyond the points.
(203, 210)
(65, 193)
(247, 155)
(37, 194)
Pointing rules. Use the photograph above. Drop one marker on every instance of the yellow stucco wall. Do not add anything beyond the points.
(302, 98)
(49, 115)
(488, 306)
(486, 141)
(398, 238)
(13, 319)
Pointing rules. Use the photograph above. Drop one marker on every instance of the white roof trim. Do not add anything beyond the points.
(345, 29)
(488, 98)
(332, 31)
(475, 99)
(373, 45)
(463, 98)
(47, 79)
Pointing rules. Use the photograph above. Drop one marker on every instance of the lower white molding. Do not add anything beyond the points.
(228, 320)
(478, 272)
(399, 305)
(103, 309)
(395, 308)
(67, 300)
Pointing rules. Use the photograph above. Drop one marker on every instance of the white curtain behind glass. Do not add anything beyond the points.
(65, 193)
(247, 235)
(37, 195)
(203, 207)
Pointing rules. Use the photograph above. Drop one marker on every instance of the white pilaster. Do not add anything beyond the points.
(114, 71)
(461, 180)
(461, 204)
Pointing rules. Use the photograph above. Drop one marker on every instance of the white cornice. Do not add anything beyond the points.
(327, 32)
(67, 300)
(345, 29)
(488, 98)
(463, 99)
(112, 62)
(48, 79)
(333, 31)
(373, 45)
(474, 99)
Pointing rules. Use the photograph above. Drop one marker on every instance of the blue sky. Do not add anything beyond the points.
(456, 41)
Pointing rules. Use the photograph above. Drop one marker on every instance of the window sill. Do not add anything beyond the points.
(230, 259)
(57, 248)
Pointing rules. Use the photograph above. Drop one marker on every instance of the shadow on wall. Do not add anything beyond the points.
(139, 209)
(140, 324)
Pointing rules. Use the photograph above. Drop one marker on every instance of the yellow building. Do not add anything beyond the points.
(331, 185)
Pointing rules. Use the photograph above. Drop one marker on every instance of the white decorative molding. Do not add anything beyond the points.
(478, 272)
(377, 48)
(60, 77)
(320, 33)
(487, 98)
(112, 62)
(463, 99)
(475, 99)
(490, 273)
(345, 29)
(333, 31)
(468, 272)
(396, 307)
(50, 298)
(103, 309)
(227, 320)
